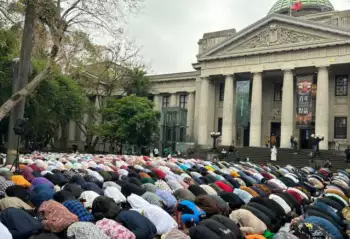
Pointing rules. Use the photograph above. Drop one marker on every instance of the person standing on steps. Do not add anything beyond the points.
(274, 153)
(347, 154)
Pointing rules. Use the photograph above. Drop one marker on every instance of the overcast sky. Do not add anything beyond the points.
(168, 30)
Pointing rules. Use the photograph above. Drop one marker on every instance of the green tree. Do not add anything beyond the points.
(57, 100)
(8, 49)
(59, 17)
(137, 83)
(130, 119)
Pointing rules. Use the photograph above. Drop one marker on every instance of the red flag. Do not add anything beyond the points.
(296, 6)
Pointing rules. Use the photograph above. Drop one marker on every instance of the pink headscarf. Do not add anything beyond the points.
(27, 173)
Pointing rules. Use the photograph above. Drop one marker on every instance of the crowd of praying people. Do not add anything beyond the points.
(82, 196)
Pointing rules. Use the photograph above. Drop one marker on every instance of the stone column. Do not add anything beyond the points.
(98, 102)
(157, 102)
(229, 112)
(85, 122)
(203, 113)
(256, 111)
(287, 118)
(190, 114)
(173, 100)
(71, 130)
(322, 106)
(59, 132)
(196, 110)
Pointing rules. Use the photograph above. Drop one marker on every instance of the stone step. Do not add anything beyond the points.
(296, 158)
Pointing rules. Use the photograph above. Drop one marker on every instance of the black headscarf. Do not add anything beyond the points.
(105, 207)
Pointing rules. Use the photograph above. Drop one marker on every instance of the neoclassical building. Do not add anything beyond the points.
(285, 75)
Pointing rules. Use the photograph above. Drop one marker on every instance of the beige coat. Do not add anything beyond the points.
(248, 222)
(14, 202)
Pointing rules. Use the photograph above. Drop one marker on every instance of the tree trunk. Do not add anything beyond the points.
(57, 35)
(21, 77)
(91, 145)
(64, 142)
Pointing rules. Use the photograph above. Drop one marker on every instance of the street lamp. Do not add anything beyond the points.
(215, 135)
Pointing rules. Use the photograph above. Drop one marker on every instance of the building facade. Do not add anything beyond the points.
(272, 57)
(251, 85)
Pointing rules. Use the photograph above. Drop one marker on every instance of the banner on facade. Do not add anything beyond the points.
(242, 103)
(304, 102)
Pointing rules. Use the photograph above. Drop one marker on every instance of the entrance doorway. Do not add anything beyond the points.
(275, 134)
(246, 135)
(305, 136)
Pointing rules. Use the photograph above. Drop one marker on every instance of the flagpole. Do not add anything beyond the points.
(290, 7)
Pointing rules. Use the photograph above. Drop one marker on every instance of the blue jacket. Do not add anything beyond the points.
(325, 207)
(195, 216)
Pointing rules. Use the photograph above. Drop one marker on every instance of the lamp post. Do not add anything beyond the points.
(215, 135)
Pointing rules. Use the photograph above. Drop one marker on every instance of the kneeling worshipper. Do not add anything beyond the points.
(160, 218)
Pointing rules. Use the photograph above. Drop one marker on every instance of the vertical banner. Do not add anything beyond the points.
(304, 102)
(242, 103)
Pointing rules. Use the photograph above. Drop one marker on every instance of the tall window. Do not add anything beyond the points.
(183, 101)
(341, 85)
(150, 97)
(166, 101)
(92, 98)
(220, 125)
(221, 91)
(340, 127)
(182, 135)
(277, 92)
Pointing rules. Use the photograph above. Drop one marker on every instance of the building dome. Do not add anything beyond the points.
(309, 7)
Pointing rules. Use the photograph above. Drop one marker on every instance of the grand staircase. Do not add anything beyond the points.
(297, 158)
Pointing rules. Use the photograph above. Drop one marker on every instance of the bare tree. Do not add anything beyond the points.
(60, 17)
(104, 77)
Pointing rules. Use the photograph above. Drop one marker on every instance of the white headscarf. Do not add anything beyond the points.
(281, 202)
(160, 218)
(39, 163)
(4, 232)
(89, 197)
(111, 184)
(95, 174)
(123, 172)
(137, 202)
(115, 194)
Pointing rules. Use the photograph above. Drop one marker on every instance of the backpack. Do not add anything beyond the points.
(200, 232)
(309, 230)
(229, 224)
(219, 229)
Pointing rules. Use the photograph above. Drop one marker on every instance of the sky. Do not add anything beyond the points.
(167, 31)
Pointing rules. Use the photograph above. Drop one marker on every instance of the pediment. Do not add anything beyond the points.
(277, 34)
